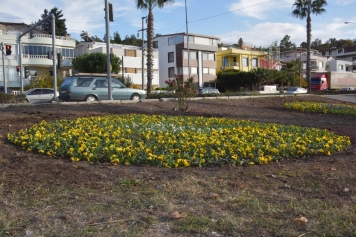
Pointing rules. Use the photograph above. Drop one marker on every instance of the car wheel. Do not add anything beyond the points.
(136, 97)
(91, 98)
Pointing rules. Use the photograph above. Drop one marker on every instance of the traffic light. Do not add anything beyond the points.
(27, 73)
(59, 60)
(18, 68)
(8, 50)
(111, 15)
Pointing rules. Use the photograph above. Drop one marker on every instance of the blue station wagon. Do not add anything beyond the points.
(87, 88)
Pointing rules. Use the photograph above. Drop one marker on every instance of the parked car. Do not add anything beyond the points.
(347, 89)
(87, 88)
(40, 95)
(208, 90)
(9, 91)
(296, 90)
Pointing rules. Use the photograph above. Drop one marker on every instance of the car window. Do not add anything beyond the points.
(102, 83)
(67, 82)
(35, 92)
(83, 82)
(117, 83)
(47, 91)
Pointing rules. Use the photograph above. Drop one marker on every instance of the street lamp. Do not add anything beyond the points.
(143, 68)
(350, 22)
(186, 27)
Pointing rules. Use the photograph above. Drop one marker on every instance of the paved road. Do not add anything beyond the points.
(347, 98)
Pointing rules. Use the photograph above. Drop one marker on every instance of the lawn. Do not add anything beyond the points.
(293, 194)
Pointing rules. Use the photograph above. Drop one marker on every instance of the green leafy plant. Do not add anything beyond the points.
(43, 81)
(184, 90)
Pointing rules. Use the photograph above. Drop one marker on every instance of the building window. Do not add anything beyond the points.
(341, 67)
(323, 53)
(171, 72)
(225, 61)
(208, 57)
(193, 70)
(339, 51)
(330, 52)
(155, 44)
(42, 50)
(212, 71)
(179, 70)
(353, 58)
(193, 55)
(245, 62)
(254, 62)
(321, 65)
(172, 41)
(205, 70)
(191, 39)
(212, 41)
(171, 57)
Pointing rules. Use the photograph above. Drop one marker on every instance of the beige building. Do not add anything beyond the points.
(34, 53)
(131, 57)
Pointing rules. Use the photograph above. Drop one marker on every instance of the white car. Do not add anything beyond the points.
(40, 95)
(347, 89)
(296, 90)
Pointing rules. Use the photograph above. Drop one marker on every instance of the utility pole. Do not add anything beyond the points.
(3, 66)
(143, 67)
(108, 64)
(186, 26)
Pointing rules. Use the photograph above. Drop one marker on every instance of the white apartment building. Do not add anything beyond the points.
(334, 65)
(131, 57)
(34, 53)
(317, 61)
(346, 54)
(173, 57)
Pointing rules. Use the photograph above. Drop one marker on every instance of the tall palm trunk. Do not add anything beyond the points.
(308, 51)
(150, 35)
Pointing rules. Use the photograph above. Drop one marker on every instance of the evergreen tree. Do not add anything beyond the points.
(117, 38)
(60, 24)
(286, 44)
(240, 42)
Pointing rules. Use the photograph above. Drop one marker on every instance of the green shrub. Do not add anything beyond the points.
(9, 98)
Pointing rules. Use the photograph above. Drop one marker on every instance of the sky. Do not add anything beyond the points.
(257, 22)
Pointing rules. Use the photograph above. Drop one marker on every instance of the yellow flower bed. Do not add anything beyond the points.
(175, 141)
(325, 108)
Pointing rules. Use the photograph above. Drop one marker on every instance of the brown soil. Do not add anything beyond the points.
(31, 167)
(20, 169)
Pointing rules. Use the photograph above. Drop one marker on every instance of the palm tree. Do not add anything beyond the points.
(149, 5)
(303, 9)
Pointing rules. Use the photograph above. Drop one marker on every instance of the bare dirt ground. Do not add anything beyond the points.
(24, 174)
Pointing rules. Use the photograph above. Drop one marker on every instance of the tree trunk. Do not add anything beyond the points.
(308, 51)
(150, 51)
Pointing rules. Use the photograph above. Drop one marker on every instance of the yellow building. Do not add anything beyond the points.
(232, 59)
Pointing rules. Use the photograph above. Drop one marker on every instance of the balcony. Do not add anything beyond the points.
(231, 66)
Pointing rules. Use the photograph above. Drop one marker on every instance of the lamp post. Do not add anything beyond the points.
(186, 26)
(350, 22)
(143, 68)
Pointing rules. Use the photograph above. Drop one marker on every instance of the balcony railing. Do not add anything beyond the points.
(233, 64)
(36, 35)
(43, 57)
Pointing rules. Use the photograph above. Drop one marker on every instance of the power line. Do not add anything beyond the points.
(230, 11)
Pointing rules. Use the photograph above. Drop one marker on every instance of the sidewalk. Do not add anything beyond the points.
(347, 98)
